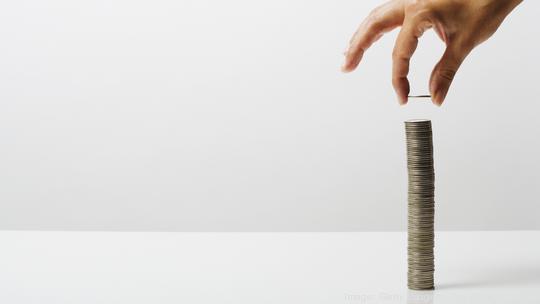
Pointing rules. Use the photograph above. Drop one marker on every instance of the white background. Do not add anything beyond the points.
(233, 116)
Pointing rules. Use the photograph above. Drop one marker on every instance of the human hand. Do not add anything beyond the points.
(461, 25)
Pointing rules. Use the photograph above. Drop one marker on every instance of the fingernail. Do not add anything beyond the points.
(439, 96)
(402, 100)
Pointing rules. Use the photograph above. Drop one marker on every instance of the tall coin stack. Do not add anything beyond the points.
(421, 206)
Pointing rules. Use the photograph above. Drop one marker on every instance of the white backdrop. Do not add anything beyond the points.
(233, 115)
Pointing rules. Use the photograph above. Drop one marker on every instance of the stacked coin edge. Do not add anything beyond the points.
(421, 205)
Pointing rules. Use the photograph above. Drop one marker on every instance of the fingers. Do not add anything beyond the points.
(380, 21)
(444, 72)
(404, 48)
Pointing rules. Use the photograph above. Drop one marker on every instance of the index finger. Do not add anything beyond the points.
(381, 20)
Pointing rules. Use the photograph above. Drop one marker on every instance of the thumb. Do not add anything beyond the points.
(444, 72)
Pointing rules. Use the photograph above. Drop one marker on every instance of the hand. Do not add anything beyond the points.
(461, 25)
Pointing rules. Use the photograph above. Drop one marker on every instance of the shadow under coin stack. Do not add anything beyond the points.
(421, 207)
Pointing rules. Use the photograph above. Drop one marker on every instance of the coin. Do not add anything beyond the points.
(421, 205)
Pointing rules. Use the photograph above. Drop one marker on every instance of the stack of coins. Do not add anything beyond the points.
(421, 206)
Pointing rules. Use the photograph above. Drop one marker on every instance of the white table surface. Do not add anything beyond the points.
(156, 267)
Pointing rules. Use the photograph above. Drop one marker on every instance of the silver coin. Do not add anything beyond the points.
(421, 204)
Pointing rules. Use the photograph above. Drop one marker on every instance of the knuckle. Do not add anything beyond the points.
(376, 11)
(420, 15)
(465, 45)
(396, 82)
(447, 74)
(398, 55)
(419, 10)
(373, 22)
(418, 4)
